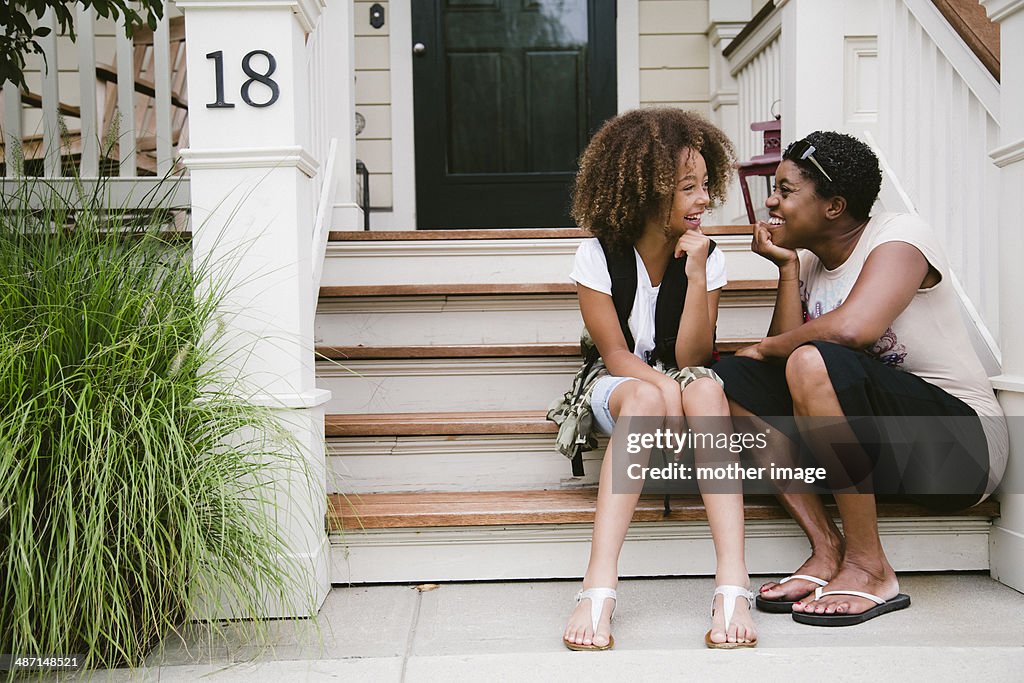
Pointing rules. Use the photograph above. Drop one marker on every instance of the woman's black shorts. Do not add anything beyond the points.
(940, 458)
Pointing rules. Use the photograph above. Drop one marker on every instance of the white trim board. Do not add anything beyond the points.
(651, 549)
(403, 136)
(1007, 547)
(964, 61)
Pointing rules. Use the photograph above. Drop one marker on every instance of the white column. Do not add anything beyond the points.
(341, 103)
(812, 73)
(726, 19)
(1007, 549)
(252, 213)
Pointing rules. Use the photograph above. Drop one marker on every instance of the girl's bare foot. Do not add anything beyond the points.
(741, 625)
(580, 629)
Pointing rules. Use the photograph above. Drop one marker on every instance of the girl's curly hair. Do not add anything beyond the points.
(627, 173)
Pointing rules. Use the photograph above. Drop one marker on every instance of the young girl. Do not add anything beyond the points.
(644, 182)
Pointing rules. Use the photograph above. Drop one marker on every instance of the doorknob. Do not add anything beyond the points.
(419, 49)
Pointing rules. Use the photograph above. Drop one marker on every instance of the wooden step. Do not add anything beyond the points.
(421, 385)
(439, 424)
(477, 289)
(479, 350)
(504, 320)
(487, 257)
(378, 381)
(496, 234)
(496, 508)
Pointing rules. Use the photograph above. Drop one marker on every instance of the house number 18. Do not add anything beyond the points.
(254, 77)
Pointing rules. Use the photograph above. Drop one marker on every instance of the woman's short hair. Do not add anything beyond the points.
(851, 165)
(627, 173)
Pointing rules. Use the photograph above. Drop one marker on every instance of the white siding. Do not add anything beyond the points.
(373, 100)
(674, 54)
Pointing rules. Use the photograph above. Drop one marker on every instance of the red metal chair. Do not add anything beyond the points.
(763, 164)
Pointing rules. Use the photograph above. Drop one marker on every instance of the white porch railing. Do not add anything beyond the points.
(321, 145)
(125, 117)
(317, 67)
(756, 64)
(937, 122)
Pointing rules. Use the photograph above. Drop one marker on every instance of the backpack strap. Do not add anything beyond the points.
(622, 269)
(577, 454)
(669, 309)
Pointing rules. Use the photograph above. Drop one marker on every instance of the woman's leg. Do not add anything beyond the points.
(864, 566)
(807, 509)
(707, 411)
(611, 518)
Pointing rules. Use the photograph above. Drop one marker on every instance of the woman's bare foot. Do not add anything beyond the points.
(741, 625)
(874, 576)
(580, 629)
(823, 563)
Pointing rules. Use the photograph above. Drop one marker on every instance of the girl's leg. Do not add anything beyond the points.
(707, 410)
(611, 518)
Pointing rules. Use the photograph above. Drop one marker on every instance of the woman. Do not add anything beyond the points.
(866, 323)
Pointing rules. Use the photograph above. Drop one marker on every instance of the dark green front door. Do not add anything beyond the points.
(507, 93)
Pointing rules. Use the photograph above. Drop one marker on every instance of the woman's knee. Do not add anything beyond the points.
(704, 396)
(642, 398)
(806, 371)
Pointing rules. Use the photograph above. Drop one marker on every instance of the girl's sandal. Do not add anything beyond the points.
(729, 595)
(597, 597)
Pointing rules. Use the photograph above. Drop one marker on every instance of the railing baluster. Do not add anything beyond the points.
(125, 104)
(85, 33)
(12, 130)
(162, 101)
(52, 141)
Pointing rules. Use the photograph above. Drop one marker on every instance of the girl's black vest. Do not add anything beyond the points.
(668, 309)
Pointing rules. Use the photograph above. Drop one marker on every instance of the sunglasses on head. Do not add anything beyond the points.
(802, 150)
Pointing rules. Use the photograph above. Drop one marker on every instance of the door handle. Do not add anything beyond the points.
(419, 49)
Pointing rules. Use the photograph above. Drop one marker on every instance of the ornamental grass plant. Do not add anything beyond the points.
(137, 490)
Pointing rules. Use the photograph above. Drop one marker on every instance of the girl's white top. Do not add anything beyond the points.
(590, 269)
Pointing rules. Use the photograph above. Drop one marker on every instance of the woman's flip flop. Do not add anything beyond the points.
(785, 606)
(881, 607)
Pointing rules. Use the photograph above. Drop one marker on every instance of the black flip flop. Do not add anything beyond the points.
(785, 606)
(881, 607)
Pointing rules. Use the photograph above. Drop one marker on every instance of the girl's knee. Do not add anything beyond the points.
(806, 370)
(643, 399)
(704, 396)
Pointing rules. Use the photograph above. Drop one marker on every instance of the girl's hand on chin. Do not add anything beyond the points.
(696, 246)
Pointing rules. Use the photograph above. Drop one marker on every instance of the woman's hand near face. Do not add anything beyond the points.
(696, 246)
(762, 245)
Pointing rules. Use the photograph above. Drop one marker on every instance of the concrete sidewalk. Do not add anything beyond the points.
(960, 627)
